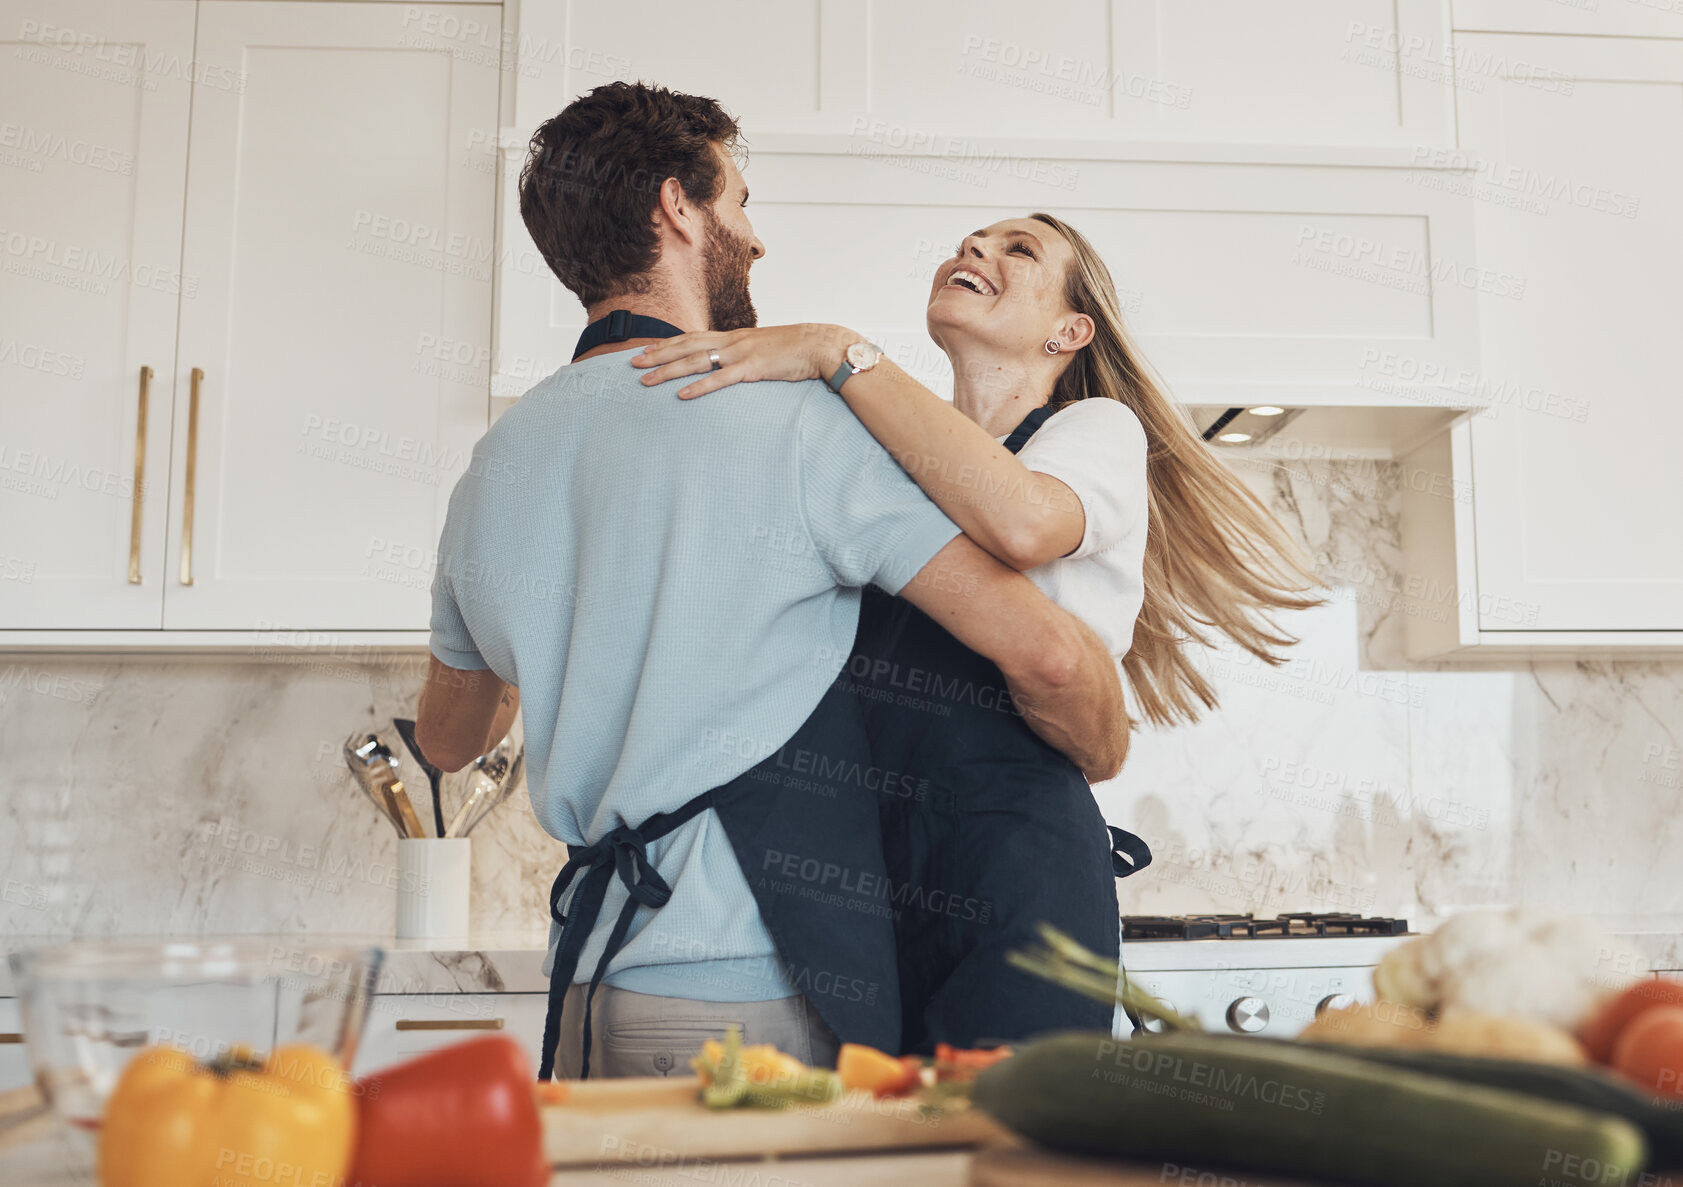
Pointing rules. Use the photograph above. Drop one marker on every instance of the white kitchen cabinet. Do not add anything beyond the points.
(1603, 18)
(1260, 177)
(1117, 74)
(93, 161)
(343, 248)
(1561, 529)
(1571, 533)
(402, 1026)
(317, 238)
(14, 1056)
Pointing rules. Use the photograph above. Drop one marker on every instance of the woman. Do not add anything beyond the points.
(1063, 457)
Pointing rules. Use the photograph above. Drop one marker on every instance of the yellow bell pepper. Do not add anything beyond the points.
(760, 1076)
(761, 1064)
(288, 1121)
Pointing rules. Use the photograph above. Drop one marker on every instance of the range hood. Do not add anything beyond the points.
(1319, 431)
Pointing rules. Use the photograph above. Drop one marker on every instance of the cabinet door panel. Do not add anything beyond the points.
(344, 242)
(1576, 482)
(93, 161)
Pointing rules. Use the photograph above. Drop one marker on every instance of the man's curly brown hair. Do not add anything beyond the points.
(591, 184)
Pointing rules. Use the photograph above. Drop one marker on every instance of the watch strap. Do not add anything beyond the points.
(842, 375)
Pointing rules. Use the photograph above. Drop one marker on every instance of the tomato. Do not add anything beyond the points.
(463, 1116)
(1602, 1032)
(954, 1063)
(873, 1071)
(1650, 1051)
(175, 1122)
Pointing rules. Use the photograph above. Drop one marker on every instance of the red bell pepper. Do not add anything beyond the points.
(463, 1116)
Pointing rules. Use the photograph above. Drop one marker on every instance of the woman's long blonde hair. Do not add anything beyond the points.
(1215, 559)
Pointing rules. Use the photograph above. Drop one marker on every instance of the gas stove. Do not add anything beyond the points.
(1254, 976)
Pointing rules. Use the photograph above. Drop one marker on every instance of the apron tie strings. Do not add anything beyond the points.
(1129, 854)
(623, 852)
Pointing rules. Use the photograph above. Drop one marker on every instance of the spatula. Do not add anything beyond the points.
(406, 731)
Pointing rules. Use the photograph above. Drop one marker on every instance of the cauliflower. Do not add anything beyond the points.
(1520, 963)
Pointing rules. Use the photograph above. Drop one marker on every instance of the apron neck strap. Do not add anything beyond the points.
(620, 325)
(1031, 424)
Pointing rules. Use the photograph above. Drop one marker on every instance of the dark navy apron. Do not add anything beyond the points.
(1002, 834)
(805, 829)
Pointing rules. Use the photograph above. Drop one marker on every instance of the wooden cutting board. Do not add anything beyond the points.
(23, 1116)
(658, 1122)
(1029, 1166)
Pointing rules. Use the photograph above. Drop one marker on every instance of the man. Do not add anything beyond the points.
(673, 588)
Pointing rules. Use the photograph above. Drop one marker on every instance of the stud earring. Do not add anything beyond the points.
(1052, 346)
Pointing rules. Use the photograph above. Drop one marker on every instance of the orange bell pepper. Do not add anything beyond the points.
(287, 1121)
(876, 1072)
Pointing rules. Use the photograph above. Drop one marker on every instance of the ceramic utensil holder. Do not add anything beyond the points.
(434, 883)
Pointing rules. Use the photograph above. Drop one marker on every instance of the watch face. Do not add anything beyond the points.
(863, 355)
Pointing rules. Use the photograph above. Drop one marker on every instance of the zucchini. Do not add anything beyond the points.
(1293, 1109)
(1586, 1087)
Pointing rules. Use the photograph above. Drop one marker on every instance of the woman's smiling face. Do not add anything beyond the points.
(1004, 286)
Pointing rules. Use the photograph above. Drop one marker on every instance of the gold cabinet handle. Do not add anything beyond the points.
(139, 496)
(449, 1024)
(192, 469)
(11, 1038)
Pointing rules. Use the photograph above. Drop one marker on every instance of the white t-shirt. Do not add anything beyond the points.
(1096, 447)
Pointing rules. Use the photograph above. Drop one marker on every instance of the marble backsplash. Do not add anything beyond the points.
(167, 795)
(1352, 780)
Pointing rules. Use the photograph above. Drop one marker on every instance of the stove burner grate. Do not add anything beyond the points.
(1297, 925)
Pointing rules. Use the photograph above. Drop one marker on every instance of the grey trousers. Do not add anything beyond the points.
(640, 1034)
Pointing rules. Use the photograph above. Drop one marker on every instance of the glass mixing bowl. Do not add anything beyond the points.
(89, 1007)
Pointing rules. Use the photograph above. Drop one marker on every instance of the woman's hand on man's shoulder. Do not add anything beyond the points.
(807, 350)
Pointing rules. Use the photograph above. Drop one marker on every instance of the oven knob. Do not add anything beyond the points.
(1247, 1015)
(1151, 1022)
(1334, 1001)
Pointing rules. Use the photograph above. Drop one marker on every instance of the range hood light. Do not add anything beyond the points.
(1237, 426)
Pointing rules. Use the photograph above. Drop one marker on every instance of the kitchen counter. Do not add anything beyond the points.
(490, 962)
(512, 961)
(1659, 938)
(59, 1157)
(485, 962)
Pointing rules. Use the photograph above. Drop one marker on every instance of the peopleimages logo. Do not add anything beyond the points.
(1164, 1070)
(54, 146)
(893, 138)
(76, 265)
(1417, 56)
(148, 62)
(856, 889)
(1537, 186)
(1060, 75)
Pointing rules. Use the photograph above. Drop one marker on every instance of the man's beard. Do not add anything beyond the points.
(725, 262)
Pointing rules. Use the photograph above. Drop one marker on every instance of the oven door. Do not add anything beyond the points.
(1279, 1002)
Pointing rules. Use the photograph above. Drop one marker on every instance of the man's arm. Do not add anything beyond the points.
(1059, 673)
(462, 714)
